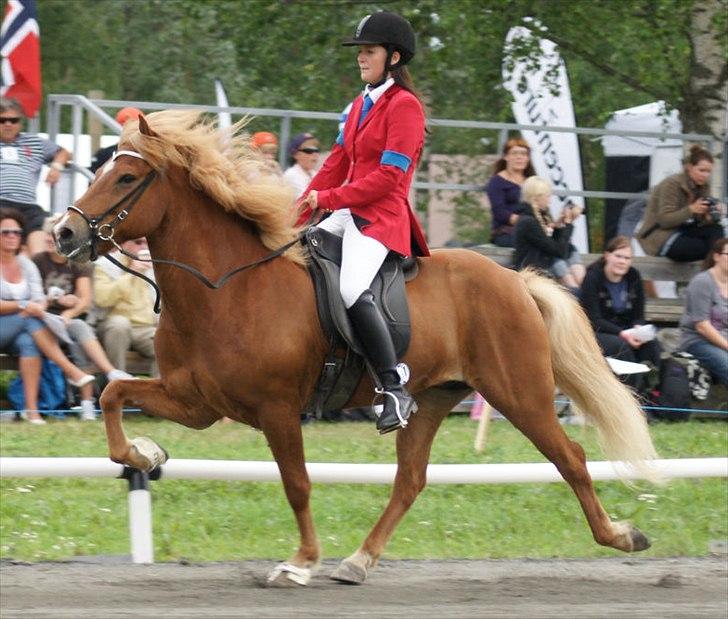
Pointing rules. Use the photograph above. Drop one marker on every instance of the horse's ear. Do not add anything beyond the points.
(144, 127)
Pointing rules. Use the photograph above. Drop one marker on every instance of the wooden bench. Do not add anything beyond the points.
(135, 363)
(663, 312)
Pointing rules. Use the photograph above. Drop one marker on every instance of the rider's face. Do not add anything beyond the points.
(371, 59)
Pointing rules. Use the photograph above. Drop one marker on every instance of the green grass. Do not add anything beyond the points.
(42, 519)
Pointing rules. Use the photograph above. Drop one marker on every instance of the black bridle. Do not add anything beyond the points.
(105, 232)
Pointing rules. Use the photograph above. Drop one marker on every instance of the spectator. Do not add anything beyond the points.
(504, 190)
(303, 156)
(101, 156)
(614, 300)
(22, 306)
(129, 322)
(22, 156)
(69, 294)
(678, 223)
(267, 143)
(543, 243)
(704, 325)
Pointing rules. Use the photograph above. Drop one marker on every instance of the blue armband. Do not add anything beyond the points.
(398, 160)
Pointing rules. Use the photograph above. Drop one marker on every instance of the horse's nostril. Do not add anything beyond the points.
(65, 234)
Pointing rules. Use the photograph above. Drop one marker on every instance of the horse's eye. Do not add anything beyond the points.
(126, 179)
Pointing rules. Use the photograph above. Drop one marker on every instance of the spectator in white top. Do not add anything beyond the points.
(303, 155)
(22, 156)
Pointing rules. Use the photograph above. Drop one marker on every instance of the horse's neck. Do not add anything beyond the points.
(199, 233)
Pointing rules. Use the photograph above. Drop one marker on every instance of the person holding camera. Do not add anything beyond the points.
(681, 221)
(544, 243)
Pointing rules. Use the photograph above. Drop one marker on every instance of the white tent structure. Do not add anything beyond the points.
(665, 155)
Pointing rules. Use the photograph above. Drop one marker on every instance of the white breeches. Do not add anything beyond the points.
(361, 256)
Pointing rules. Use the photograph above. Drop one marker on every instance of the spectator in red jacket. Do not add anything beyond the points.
(365, 184)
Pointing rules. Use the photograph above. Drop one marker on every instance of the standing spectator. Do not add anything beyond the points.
(504, 190)
(22, 305)
(678, 221)
(267, 143)
(69, 294)
(704, 325)
(101, 156)
(303, 155)
(614, 301)
(22, 156)
(543, 243)
(129, 322)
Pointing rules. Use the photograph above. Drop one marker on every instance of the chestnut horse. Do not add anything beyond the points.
(253, 349)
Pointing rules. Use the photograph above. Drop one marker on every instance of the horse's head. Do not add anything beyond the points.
(119, 205)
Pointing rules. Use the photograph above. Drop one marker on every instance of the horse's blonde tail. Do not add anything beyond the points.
(582, 373)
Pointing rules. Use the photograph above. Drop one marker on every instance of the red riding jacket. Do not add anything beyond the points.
(370, 171)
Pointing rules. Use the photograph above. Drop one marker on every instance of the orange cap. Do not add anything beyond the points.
(264, 137)
(127, 113)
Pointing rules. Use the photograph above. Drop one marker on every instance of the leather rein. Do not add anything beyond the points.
(105, 232)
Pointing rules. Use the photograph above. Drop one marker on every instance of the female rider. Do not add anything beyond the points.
(365, 183)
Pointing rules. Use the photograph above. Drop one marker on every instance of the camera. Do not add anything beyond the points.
(713, 209)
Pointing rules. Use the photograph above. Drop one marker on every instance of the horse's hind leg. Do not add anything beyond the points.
(286, 444)
(413, 454)
(536, 418)
(151, 396)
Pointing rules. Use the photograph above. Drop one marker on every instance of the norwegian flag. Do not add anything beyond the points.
(20, 55)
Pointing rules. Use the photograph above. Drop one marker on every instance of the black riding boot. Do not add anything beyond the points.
(372, 331)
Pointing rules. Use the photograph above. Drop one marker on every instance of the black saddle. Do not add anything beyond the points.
(344, 363)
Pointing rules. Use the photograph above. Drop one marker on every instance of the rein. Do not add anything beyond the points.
(105, 232)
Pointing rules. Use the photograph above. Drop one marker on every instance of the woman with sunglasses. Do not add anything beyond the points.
(303, 155)
(364, 186)
(22, 156)
(22, 305)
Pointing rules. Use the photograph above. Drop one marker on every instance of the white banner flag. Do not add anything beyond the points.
(223, 118)
(555, 155)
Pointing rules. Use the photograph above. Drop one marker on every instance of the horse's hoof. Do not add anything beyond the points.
(349, 572)
(287, 575)
(639, 540)
(145, 454)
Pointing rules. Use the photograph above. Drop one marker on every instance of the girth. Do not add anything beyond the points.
(344, 363)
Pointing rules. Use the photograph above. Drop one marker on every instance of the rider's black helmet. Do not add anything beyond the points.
(387, 29)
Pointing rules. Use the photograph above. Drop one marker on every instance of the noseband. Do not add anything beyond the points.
(105, 232)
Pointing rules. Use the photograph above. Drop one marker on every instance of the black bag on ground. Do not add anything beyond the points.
(673, 391)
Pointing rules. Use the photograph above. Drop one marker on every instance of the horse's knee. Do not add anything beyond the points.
(111, 397)
(298, 492)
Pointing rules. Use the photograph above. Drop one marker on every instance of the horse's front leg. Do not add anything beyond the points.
(154, 398)
(286, 443)
(413, 453)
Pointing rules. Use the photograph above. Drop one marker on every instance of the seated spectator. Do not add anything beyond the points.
(704, 325)
(678, 221)
(129, 321)
(543, 243)
(614, 301)
(22, 156)
(101, 156)
(504, 190)
(267, 143)
(22, 307)
(303, 156)
(69, 294)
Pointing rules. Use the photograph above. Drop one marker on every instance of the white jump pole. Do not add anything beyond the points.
(323, 472)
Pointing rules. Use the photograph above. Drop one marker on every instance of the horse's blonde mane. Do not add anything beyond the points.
(223, 165)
